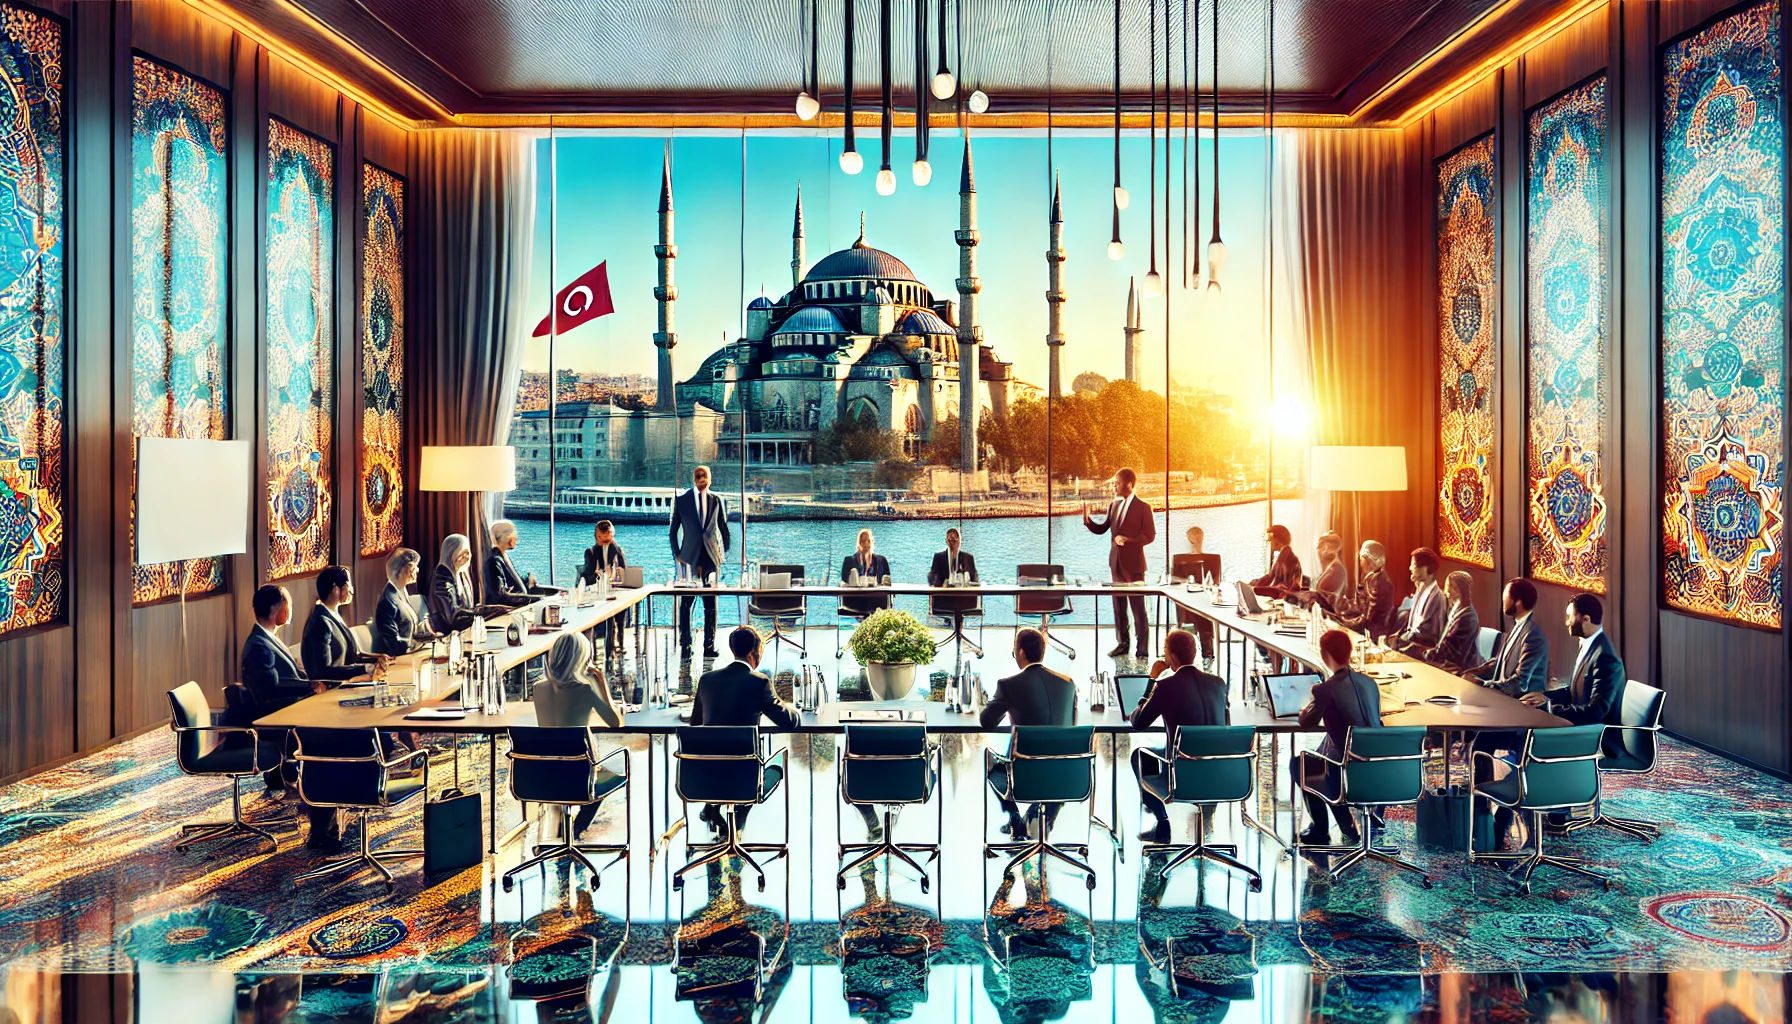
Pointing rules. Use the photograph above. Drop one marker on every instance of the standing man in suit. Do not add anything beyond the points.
(1424, 621)
(1455, 648)
(604, 558)
(952, 560)
(328, 646)
(1522, 665)
(1180, 694)
(1345, 699)
(700, 542)
(738, 694)
(1131, 526)
(1033, 696)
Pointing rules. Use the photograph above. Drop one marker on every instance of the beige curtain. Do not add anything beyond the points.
(1353, 204)
(475, 232)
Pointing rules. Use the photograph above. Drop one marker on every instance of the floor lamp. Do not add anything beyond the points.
(1356, 469)
(468, 468)
(171, 526)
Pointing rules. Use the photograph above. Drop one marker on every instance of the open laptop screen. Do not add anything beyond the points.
(1289, 691)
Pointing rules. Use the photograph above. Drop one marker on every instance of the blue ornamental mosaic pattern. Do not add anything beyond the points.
(1567, 271)
(300, 272)
(180, 254)
(32, 180)
(382, 360)
(1467, 284)
(1723, 317)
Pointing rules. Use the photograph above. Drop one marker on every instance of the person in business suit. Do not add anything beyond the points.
(503, 584)
(605, 557)
(276, 680)
(700, 540)
(396, 627)
(1422, 623)
(1201, 627)
(1522, 664)
(864, 564)
(738, 694)
(572, 694)
(451, 604)
(955, 559)
(1283, 577)
(1131, 526)
(1180, 694)
(1371, 612)
(1455, 647)
(328, 646)
(1035, 695)
(1595, 690)
(1344, 699)
(1333, 579)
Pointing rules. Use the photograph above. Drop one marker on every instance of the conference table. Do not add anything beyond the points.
(1413, 692)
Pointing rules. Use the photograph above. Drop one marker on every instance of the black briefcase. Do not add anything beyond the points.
(1445, 819)
(453, 836)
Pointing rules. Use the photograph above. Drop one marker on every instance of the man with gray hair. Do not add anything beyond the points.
(1372, 611)
(700, 542)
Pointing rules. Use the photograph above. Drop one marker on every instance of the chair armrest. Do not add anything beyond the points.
(780, 755)
(626, 760)
(1155, 756)
(1337, 761)
(1633, 728)
(254, 736)
(409, 757)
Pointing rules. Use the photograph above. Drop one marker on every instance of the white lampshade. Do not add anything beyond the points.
(172, 472)
(1357, 468)
(467, 468)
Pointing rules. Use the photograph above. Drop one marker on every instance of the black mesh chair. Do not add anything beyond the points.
(1631, 747)
(888, 766)
(1204, 765)
(781, 608)
(1046, 765)
(955, 608)
(1558, 770)
(1043, 605)
(348, 769)
(217, 751)
(560, 767)
(726, 765)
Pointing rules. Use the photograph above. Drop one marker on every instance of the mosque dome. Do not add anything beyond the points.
(812, 320)
(924, 321)
(760, 302)
(860, 261)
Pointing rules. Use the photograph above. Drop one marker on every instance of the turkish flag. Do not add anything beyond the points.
(585, 299)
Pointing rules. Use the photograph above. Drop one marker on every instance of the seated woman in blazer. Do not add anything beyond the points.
(396, 627)
(503, 584)
(328, 646)
(451, 604)
(868, 565)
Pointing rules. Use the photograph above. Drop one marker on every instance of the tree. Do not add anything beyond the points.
(856, 440)
(1088, 383)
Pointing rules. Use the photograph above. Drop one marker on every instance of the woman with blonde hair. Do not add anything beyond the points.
(573, 695)
(451, 604)
(1456, 648)
(396, 626)
(864, 564)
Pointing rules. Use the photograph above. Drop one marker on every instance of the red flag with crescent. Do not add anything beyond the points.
(586, 298)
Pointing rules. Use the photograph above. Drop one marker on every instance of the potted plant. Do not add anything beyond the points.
(889, 644)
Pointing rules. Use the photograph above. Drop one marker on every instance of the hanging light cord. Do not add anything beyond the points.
(1216, 120)
(1151, 160)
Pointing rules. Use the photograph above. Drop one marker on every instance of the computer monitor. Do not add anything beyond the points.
(1247, 599)
(1201, 567)
(1132, 690)
(1289, 692)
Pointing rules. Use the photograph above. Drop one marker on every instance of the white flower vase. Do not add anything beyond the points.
(890, 680)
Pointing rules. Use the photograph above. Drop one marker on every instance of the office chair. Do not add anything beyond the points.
(1638, 751)
(363, 635)
(780, 607)
(346, 768)
(955, 608)
(1049, 765)
(1045, 604)
(1487, 642)
(237, 753)
(1382, 767)
(726, 765)
(1207, 765)
(888, 766)
(560, 767)
(1558, 769)
(858, 608)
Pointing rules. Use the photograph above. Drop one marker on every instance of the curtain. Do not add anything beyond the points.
(475, 228)
(1353, 205)
(1293, 370)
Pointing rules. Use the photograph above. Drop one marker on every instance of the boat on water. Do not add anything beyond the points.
(617, 504)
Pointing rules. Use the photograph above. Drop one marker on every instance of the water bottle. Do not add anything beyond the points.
(454, 666)
(497, 686)
(1098, 692)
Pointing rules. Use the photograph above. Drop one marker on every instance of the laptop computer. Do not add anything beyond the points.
(1289, 692)
(1132, 691)
(633, 576)
(1201, 567)
(1247, 599)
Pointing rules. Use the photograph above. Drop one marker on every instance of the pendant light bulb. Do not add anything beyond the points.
(851, 162)
(1213, 290)
(1121, 199)
(807, 106)
(1116, 250)
(923, 173)
(1154, 285)
(886, 182)
(1216, 254)
(979, 102)
(944, 86)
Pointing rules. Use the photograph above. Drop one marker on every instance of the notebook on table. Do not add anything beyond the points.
(1289, 692)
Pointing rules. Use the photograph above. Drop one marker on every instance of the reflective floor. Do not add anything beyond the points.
(100, 918)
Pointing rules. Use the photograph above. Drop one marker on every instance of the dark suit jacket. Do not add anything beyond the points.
(600, 559)
(1521, 665)
(395, 626)
(941, 568)
(1127, 561)
(1033, 696)
(879, 566)
(503, 584)
(1346, 699)
(1374, 610)
(271, 674)
(1455, 649)
(450, 604)
(695, 526)
(737, 695)
(329, 649)
(1283, 574)
(1187, 696)
(1595, 694)
(1424, 625)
